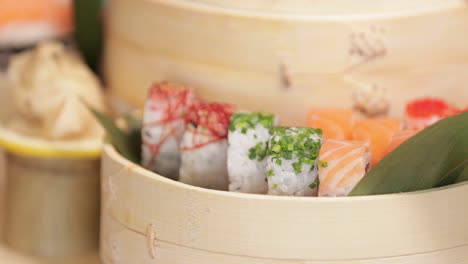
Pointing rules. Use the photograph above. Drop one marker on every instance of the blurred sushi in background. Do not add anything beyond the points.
(336, 123)
(292, 161)
(248, 137)
(163, 127)
(204, 145)
(26, 22)
(424, 112)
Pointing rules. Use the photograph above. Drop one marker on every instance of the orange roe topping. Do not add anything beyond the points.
(427, 107)
(212, 116)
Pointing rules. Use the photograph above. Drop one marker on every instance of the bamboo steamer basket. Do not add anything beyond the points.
(52, 202)
(282, 57)
(147, 218)
(286, 56)
(52, 195)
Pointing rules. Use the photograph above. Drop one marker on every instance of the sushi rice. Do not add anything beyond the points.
(292, 161)
(204, 146)
(163, 127)
(248, 137)
(205, 166)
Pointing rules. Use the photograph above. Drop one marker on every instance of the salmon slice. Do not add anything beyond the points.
(378, 133)
(57, 12)
(25, 21)
(400, 137)
(335, 123)
(342, 165)
(424, 112)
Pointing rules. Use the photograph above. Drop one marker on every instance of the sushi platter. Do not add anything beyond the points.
(234, 132)
(244, 179)
(363, 76)
(216, 146)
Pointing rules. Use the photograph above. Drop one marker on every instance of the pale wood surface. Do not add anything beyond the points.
(52, 205)
(248, 54)
(146, 218)
(9, 256)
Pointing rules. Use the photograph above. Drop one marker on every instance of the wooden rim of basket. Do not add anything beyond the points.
(33, 147)
(220, 7)
(131, 190)
(115, 155)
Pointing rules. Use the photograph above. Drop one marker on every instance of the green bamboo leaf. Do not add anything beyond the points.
(88, 30)
(436, 156)
(453, 174)
(118, 138)
(133, 132)
(463, 176)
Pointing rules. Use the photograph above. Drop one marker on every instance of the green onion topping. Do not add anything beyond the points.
(258, 151)
(324, 164)
(295, 142)
(315, 183)
(245, 121)
(270, 173)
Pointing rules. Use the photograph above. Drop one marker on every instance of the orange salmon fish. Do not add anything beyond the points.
(400, 137)
(378, 133)
(335, 123)
(342, 164)
(23, 22)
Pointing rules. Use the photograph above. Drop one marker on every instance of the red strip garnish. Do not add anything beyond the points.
(214, 117)
(428, 107)
(173, 101)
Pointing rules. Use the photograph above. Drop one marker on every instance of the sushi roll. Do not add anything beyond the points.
(248, 135)
(163, 127)
(341, 166)
(204, 146)
(424, 112)
(335, 123)
(292, 158)
(378, 133)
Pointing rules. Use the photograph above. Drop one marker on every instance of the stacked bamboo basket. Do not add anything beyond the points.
(282, 57)
(292, 54)
(49, 196)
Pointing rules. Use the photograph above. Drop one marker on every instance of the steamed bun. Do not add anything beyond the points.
(50, 85)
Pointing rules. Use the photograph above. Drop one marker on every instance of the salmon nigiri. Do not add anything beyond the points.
(342, 165)
(400, 137)
(378, 133)
(335, 123)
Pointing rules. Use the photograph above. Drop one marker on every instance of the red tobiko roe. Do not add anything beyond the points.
(215, 117)
(163, 91)
(171, 98)
(427, 107)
